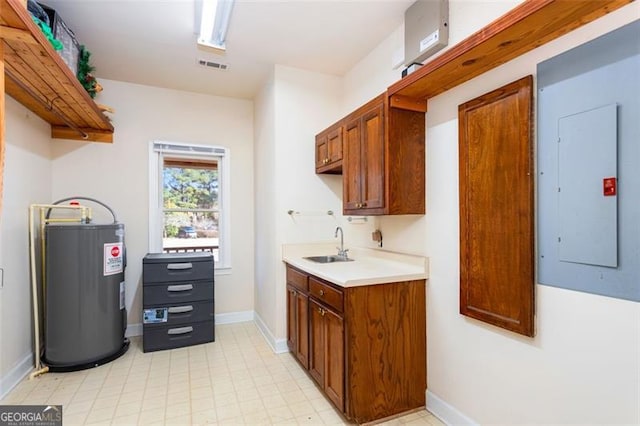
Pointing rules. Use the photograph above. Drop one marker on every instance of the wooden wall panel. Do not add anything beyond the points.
(496, 208)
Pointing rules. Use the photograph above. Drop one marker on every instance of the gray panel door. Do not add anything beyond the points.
(587, 155)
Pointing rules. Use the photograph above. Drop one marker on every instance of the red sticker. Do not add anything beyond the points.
(609, 186)
(115, 251)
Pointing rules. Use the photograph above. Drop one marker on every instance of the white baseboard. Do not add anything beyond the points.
(233, 317)
(278, 346)
(228, 318)
(446, 412)
(15, 376)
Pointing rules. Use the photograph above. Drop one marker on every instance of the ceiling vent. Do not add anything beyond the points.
(213, 65)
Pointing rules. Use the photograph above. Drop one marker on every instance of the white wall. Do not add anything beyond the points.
(583, 366)
(27, 180)
(267, 251)
(117, 174)
(293, 106)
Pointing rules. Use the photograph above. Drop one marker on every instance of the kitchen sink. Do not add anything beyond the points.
(328, 259)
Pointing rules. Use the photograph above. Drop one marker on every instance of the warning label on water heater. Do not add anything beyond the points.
(113, 259)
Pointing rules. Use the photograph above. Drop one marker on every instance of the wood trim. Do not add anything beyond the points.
(526, 27)
(405, 102)
(63, 132)
(496, 208)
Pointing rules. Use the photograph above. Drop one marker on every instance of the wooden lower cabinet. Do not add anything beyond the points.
(366, 345)
(297, 324)
(326, 362)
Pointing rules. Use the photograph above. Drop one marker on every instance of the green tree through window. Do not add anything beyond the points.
(191, 193)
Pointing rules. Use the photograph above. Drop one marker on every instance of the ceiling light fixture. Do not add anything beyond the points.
(214, 24)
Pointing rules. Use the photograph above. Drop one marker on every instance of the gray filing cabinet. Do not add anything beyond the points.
(177, 300)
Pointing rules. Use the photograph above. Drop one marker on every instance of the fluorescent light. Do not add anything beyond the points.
(214, 23)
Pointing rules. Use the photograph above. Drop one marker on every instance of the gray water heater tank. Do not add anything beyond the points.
(85, 316)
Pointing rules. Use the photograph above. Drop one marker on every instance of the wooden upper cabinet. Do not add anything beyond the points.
(329, 150)
(496, 208)
(384, 160)
(363, 185)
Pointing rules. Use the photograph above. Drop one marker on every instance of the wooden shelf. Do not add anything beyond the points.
(37, 77)
(529, 25)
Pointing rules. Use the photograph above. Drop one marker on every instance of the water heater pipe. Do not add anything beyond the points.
(80, 197)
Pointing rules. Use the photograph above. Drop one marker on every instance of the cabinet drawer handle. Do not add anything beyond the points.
(180, 287)
(179, 266)
(180, 309)
(180, 330)
(363, 204)
(321, 292)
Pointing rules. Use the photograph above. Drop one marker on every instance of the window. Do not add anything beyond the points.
(189, 200)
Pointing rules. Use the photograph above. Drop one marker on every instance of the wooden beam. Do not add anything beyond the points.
(15, 34)
(92, 135)
(405, 102)
(526, 27)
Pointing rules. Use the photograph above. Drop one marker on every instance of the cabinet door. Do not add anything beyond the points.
(372, 153)
(334, 358)
(316, 342)
(302, 328)
(322, 151)
(496, 208)
(291, 319)
(352, 165)
(334, 145)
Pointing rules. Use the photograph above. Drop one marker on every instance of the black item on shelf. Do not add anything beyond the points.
(71, 50)
(36, 10)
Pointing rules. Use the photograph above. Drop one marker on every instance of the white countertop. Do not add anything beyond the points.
(370, 266)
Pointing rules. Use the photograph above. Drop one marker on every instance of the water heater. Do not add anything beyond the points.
(84, 312)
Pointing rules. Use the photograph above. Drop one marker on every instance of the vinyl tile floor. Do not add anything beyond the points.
(236, 380)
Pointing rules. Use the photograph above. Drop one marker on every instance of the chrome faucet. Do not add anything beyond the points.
(341, 251)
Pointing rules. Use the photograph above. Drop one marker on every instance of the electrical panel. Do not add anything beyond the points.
(426, 29)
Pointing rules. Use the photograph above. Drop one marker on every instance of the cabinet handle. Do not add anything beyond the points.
(180, 287)
(321, 292)
(180, 330)
(180, 309)
(179, 266)
(363, 204)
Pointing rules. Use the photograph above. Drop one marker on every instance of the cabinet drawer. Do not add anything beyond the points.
(180, 270)
(167, 337)
(297, 279)
(325, 293)
(176, 293)
(185, 313)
